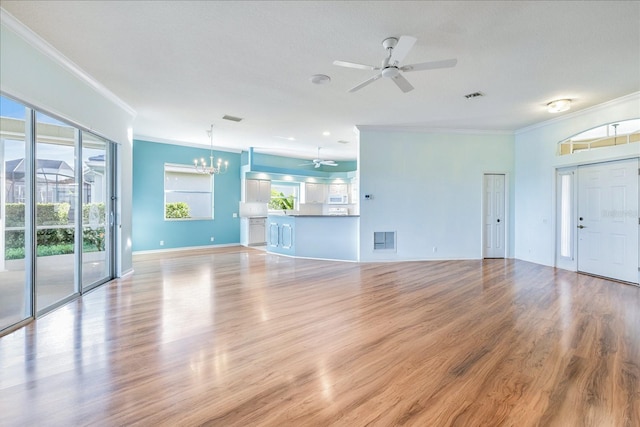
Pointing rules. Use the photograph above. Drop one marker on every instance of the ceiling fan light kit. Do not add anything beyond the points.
(397, 50)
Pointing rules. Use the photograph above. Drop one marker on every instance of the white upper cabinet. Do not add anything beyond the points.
(257, 190)
(339, 189)
(314, 192)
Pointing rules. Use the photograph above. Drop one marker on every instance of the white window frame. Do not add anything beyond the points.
(188, 191)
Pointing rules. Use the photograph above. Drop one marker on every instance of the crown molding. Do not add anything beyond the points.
(146, 138)
(426, 129)
(37, 42)
(607, 104)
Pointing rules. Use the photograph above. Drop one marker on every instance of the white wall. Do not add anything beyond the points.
(427, 187)
(535, 164)
(36, 74)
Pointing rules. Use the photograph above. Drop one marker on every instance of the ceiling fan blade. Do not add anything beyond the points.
(354, 65)
(365, 83)
(402, 83)
(405, 43)
(447, 63)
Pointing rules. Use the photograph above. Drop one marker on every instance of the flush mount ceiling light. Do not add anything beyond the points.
(320, 79)
(559, 105)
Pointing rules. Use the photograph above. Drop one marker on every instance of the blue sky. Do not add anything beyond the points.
(15, 149)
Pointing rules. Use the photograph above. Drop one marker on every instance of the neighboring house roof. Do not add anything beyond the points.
(44, 167)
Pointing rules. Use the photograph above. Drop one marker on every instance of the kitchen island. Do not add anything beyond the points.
(314, 236)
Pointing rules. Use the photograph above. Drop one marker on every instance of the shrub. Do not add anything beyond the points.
(58, 239)
(93, 238)
(47, 214)
(18, 253)
(281, 202)
(176, 210)
(93, 213)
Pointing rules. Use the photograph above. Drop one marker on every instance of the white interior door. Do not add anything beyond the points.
(494, 216)
(608, 219)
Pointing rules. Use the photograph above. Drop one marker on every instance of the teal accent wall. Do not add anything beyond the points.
(271, 164)
(149, 226)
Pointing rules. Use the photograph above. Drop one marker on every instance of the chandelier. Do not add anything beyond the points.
(217, 168)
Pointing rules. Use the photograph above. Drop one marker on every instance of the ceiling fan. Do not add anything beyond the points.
(317, 162)
(397, 50)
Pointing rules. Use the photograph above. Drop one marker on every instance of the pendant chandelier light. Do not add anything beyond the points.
(217, 168)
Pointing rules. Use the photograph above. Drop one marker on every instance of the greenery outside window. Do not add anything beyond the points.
(284, 196)
(188, 194)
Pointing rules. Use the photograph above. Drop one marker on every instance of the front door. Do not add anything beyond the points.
(608, 219)
(494, 214)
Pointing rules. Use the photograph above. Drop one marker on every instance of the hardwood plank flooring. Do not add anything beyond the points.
(239, 337)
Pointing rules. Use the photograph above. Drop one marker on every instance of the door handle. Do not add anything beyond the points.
(581, 226)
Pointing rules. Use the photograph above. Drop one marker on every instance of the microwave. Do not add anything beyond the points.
(337, 199)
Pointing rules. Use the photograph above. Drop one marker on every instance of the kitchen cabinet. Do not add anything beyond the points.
(257, 190)
(314, 236)
(281, 231)
(257, 231)
(340, 189)
(314, 192)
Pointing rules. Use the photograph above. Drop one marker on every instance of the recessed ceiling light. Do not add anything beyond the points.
(559, 105)
(320, 79)
(326, 133)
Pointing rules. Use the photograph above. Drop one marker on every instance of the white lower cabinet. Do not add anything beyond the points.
(257, 231)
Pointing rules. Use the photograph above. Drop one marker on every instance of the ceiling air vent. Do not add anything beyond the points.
(473, 95)
(232, 118)
(342, 141)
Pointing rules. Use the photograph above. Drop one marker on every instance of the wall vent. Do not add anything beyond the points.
(384, 240)
(232, 118)
(473, 95)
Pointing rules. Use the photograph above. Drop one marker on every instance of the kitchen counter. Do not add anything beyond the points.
(333, 237)
(331, 216)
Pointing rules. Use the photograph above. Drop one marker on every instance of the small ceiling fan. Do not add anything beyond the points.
(397, 50)
(317, 162)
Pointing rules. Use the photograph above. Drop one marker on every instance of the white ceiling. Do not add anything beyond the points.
(182, 65)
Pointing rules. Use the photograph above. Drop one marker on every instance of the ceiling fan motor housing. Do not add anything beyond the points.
(390, 72)
(389, 42)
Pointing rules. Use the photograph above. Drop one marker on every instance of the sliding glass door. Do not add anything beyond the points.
(56, 212)
(96, 207)
(15, 292)
(56, 199)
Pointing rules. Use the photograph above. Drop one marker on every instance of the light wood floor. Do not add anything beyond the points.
(238, 337)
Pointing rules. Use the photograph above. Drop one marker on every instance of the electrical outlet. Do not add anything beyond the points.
(212, 238)
(235, 215)
(435, 249)
(161, 242)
